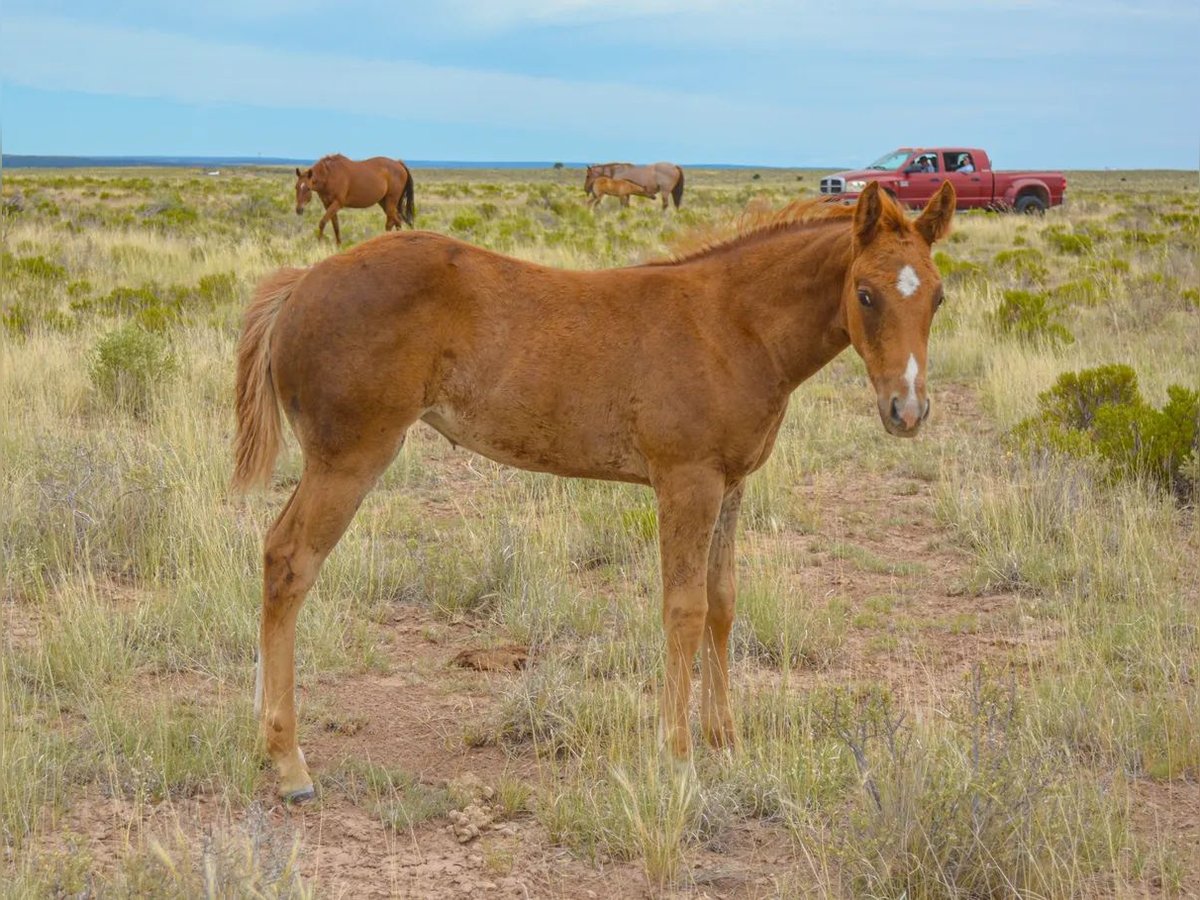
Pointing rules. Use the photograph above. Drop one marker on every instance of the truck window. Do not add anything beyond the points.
(926, 162)
(957, 161)
(891, 162)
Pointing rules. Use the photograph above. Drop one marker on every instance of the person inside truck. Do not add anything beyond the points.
(925, 164)
(964, 163)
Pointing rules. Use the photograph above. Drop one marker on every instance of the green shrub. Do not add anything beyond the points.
(1184, 221)
(1136, 237)
(218, 288)
(40, 268)
(170, 213)
(123, 300)
(1069, 241)
(1032, 318)
(948, 265)
(1081, 292)
(127, 365)
(1100, 413)
(465, 223)
(1024, 261)
(16, 319)
(1076, 396)
(79, 288)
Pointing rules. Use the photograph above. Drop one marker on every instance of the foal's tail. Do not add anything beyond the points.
(677, 191)
(258, 430)
(408, 199)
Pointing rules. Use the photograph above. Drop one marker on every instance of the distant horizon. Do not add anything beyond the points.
(130, 160)
(175, 160)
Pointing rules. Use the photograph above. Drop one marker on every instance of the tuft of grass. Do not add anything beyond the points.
(397, 798)
(783, 627)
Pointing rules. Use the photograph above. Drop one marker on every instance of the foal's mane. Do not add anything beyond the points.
(756, 221)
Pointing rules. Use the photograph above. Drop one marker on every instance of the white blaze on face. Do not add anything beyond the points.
(907, 281)
(911, 371)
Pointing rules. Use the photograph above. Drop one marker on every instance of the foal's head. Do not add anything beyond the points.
(304, 189)
(891, 292)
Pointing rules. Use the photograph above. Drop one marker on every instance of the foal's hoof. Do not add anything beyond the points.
(299, 795)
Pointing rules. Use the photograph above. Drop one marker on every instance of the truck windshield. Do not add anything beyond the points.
(892, 161)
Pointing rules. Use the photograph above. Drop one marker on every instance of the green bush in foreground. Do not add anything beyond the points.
(1101, 413)
(128, 363)
(1031, 318)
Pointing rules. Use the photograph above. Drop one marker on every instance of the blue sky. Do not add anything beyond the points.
(1105, 83)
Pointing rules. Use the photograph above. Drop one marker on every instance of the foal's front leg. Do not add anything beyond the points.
(688, 502)
(716, 719)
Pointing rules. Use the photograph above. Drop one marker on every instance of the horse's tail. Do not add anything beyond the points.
(256, 445)
(408, 198)
(677, 191)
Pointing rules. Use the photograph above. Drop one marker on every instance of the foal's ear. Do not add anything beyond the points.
(298, 175)
(934, 222)
(867, 215)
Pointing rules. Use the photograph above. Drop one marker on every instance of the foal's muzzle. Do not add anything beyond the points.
(903, 419)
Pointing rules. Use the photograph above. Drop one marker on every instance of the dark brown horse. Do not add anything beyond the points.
(342, 182)
(661, 177)
(674, 374)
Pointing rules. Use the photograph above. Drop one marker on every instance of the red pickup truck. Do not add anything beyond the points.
(913, 174)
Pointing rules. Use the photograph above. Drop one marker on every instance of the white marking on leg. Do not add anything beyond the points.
(911, 371)
(907, 281)
(258, 684)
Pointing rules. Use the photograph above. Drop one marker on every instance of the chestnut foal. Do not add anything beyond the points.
(674, 374)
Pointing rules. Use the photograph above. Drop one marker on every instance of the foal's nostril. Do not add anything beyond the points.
(896, 420)
(928, 407)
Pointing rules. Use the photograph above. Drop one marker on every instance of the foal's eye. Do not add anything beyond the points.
(941, 298)
(864, 297)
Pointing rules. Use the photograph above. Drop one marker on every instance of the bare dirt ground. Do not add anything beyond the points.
(421, 717)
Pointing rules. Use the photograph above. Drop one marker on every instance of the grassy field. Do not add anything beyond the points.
(964, 666)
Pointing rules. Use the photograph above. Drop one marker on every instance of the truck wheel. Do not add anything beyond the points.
(1030, 204)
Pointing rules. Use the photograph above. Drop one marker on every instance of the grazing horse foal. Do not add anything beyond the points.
(615, 187)
(342, 182)
(675, 374)
(660, 177)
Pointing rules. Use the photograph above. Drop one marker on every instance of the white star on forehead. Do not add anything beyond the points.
(907, 281)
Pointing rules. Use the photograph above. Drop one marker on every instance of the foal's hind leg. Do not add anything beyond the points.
(311, 523)
(716, 720)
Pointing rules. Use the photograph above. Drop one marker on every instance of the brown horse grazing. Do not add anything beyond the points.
(674, 374)
(661, 177)
(615, 187)
(342, 182)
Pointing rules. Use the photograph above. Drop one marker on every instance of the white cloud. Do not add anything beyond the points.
(60, 54)
(516, 12)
